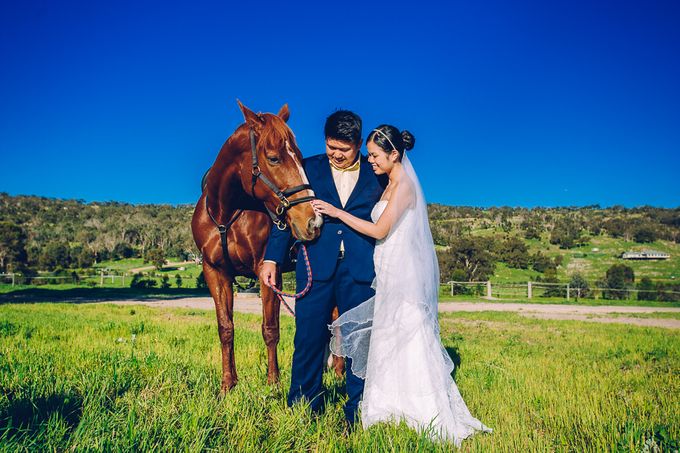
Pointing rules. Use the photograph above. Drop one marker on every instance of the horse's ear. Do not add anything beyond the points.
(284, 113)
(253, 120)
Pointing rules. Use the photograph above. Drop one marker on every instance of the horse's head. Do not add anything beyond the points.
(275, 175)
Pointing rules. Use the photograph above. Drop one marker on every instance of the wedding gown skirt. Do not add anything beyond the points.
(394, 342)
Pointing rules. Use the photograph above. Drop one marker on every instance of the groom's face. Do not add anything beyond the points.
(342, 154)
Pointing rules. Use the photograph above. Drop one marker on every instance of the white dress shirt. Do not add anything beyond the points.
(345, 181)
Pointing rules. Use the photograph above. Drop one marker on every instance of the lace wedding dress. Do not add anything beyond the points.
(393, 338)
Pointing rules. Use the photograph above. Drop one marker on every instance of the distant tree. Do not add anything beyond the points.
(445, 232)
(618, 279)
(178, 280)
(459, 275)
(644, 234)
(156, 257)
(579, 286)
(165, 282)
(122, 251)
(514, 252)
(646, 288)
(12, 247)
(616, 227)
(566, 234)
(471, 256)
(550, 276)
(595, 227)
(532, 233)
(84, 258)
(541, 263)
(532, 229)
(53, 255)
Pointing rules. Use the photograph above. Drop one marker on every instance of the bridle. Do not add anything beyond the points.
(278, 217)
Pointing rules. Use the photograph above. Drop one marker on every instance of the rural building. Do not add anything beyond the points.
(645, 255)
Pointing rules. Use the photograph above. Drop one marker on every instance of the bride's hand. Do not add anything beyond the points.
(322, 207)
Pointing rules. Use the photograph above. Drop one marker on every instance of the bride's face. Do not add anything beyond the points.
(381, 161)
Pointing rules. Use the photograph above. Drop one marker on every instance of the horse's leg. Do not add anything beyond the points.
(338, 362)
(270, 329)
(220, 286)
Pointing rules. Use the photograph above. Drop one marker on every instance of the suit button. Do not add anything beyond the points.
(339, 231)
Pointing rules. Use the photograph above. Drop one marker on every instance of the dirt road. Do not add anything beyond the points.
(602, 313)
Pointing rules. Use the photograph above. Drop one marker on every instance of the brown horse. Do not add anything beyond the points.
(256, 179)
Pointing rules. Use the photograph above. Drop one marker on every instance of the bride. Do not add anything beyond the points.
(393, 338)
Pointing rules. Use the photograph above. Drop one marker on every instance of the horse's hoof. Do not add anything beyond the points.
(273, 379)
(226, 387)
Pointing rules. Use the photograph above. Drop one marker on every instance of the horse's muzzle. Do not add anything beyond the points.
(314, 226)
(309, 233)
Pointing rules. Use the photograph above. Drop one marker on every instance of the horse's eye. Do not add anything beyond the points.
(273, 160)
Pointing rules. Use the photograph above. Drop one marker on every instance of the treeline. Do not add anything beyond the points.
(566, 227)
(48, 234)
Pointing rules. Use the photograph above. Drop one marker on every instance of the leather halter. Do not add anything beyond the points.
(286, 204)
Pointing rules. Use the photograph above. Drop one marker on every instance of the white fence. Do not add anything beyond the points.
(102, 278)
(530, 290)
(483, 289)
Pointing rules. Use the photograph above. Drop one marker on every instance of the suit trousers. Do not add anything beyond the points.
(312, 317)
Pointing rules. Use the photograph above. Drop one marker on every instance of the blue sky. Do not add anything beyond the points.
(511, 102)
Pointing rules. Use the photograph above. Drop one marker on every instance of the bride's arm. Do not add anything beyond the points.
(380, 229)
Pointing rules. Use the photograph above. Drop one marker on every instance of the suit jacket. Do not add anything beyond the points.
(323, 251)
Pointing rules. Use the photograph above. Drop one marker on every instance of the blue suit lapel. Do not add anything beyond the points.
(365, 175)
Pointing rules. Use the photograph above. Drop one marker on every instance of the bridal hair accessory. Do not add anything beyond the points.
(388, 139)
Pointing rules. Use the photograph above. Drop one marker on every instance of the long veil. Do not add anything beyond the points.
(407, 276)
(393, 338)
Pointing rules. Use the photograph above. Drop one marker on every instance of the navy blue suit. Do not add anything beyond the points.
(343, 282)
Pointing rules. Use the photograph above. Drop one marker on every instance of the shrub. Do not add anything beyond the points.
(200, 281)
(140, 282)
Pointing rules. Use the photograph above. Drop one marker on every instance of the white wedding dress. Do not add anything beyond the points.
(393, 338)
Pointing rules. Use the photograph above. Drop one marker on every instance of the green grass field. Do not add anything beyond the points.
(120, 378)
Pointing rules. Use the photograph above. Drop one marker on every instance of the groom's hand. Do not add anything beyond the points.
(268, 273)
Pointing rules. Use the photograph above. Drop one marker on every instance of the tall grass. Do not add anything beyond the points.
(120, 378)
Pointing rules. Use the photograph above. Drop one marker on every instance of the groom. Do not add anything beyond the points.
(341, 259)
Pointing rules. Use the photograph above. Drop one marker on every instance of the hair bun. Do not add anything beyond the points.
(408, 139)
